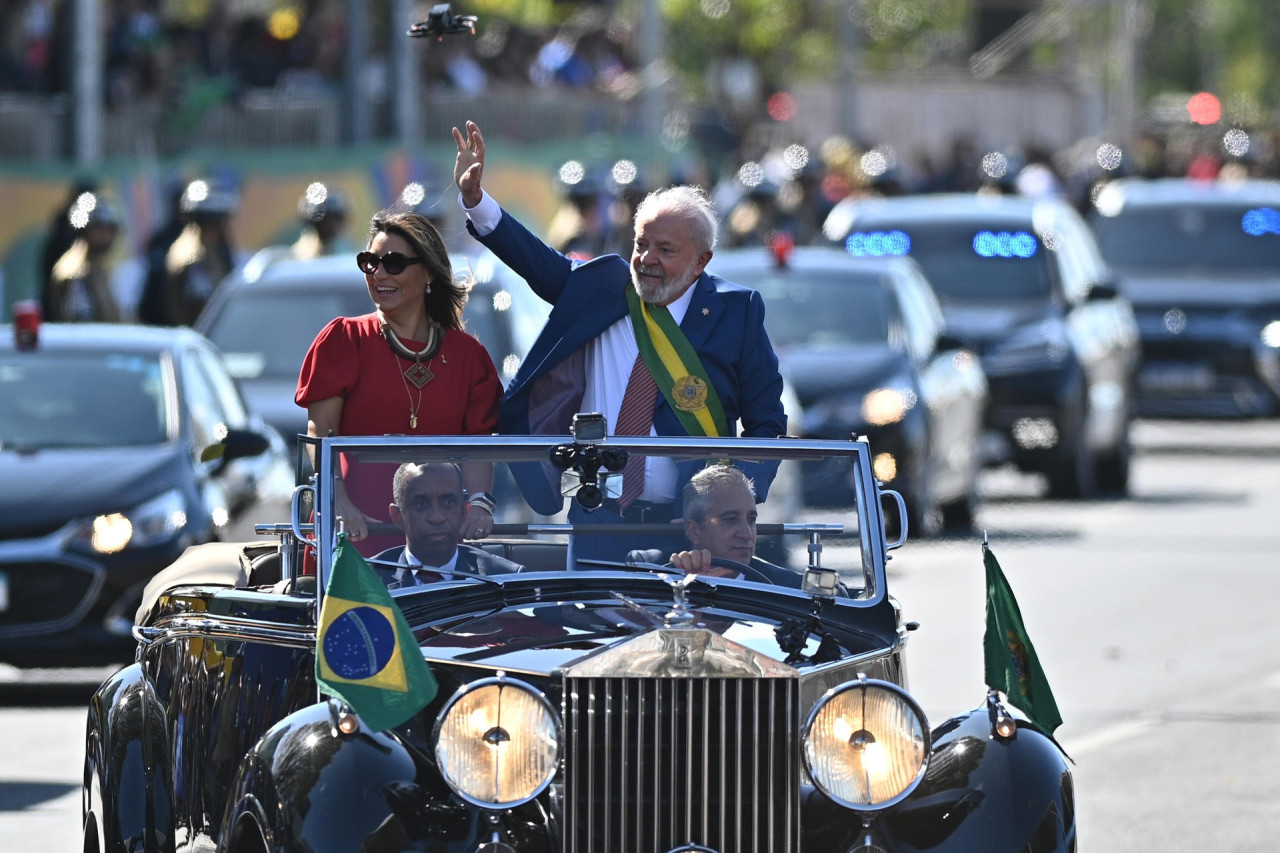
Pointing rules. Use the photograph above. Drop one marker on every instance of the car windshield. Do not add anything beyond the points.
(59, 400)
(551, 492)
(264, 334)
(819, 309)
(1235, 237)
(972, 261)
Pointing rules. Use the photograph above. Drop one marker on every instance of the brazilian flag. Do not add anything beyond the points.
(365, 652)
(1011, 663)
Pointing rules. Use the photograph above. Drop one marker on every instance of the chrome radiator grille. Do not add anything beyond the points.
(652, 764)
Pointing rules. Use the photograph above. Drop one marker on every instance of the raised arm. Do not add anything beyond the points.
(545, 269)
(468, 168)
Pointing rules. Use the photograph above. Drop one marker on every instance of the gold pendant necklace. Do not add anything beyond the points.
(413, 407)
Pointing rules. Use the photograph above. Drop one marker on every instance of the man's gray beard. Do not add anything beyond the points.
(669, 290)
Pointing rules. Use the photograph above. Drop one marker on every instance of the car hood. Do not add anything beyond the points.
(977, 323)
(815, 374)
(272, 400)
(543, 638)
(1199, 288)
(46, 488)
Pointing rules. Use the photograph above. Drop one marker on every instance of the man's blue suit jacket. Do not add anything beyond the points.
(724, 324)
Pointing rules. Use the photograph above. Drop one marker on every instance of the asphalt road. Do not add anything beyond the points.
(1154, 617)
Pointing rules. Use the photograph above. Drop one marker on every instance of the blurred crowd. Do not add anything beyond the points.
(194, 54)
(791, 188)
(786, 189)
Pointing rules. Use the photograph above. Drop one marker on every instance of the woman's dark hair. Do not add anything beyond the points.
(448, 294)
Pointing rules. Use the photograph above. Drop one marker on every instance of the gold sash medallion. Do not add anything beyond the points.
(676, 368)
(689, 394)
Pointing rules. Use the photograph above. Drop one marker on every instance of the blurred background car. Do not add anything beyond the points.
(264, 318)
(103, 438)
(862, 343)
(1200, 261)
(1022, 284)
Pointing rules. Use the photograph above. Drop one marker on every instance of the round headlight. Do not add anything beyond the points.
(866, 744)
(497, 742)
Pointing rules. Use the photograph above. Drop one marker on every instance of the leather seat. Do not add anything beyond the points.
(534, 556)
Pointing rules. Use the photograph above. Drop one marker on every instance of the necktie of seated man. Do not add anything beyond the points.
(635, 417)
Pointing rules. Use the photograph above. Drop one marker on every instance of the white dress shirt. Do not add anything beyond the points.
(411, 565)
(610, 358)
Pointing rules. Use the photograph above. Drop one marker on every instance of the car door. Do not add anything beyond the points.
(952, 386)
(224, 486)
(1102, 329)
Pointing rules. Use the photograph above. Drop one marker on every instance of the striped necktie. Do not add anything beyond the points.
(635, 417)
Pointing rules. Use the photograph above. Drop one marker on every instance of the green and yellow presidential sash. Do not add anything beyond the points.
(676, 368)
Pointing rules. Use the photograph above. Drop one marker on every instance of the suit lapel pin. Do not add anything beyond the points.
(706, 311)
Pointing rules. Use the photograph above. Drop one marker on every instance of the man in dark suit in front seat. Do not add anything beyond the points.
(429, 506)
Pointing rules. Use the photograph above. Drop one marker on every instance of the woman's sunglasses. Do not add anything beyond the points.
(393, 262)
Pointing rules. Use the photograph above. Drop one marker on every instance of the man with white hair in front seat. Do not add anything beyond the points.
(720, 523)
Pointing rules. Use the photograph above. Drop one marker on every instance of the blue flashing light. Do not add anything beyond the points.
(1005, 244)
(878, 244)
(1261, 220)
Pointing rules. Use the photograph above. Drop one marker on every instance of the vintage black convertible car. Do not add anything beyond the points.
(581, 706)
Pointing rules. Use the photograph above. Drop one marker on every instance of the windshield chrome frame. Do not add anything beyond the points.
(498, 448)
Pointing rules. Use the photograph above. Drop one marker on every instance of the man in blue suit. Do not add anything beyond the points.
(702, 339)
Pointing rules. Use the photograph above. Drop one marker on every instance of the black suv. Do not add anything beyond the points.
(861, 341)
(1200, 261)
(1023, 284)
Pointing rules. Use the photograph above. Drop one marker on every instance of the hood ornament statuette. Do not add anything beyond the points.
(680, 615)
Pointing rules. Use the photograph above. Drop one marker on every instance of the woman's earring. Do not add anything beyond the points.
(428, 288)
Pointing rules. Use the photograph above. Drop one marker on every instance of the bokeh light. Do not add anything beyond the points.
(1204, 108)
(1109, 156)
(316, 193)
(284, 23)
(874, 163)
(413, 194)
(572, 173)
(751, 174)
(715, 9)
(834, 188)
(1260, 221)
(1235, 142)
(782, 107)
(84, 205)
(624, 173)
(796, 157)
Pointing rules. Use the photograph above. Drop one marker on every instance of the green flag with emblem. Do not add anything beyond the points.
(1011, 663)
(366, 653)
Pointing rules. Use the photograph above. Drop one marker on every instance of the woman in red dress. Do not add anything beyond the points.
(409, 368)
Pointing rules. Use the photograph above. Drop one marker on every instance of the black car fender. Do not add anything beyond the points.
(985, 792)
(126, 777)
(306, 785)
(980, 792)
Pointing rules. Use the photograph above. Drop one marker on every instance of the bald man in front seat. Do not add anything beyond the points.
(429, 505)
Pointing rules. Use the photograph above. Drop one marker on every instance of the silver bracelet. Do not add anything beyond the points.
(485, 501)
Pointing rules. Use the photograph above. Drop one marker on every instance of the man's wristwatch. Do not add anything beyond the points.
(485, 501)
